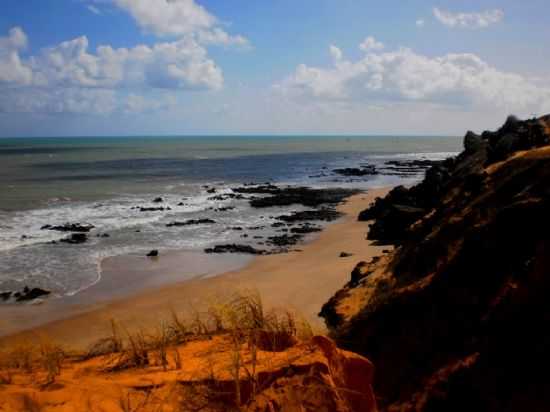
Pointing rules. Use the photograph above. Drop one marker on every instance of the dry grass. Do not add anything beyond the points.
(32, 359)
(242, 318)
(51, 360)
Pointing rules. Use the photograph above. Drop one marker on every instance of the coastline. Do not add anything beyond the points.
(300, 281)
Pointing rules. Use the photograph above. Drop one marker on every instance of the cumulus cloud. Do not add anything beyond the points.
(217, 36)
(179, 64)
(476, 20)
(420, 23)
(335, 52)
(72, 77)
(12, 69)
(168, 17)
(370, 43)
(463, 80)
(63, 77)
(177, 18)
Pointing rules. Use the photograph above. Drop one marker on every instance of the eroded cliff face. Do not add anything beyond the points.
(457, 317)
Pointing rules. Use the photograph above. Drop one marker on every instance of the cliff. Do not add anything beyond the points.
(456, 317)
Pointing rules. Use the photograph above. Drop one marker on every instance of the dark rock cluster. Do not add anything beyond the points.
(70, 227)
(25, 295)
(366, 170)
(192, 222)
(286, 196)
(234, 248)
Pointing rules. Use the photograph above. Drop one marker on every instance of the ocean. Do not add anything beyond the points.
(101, 181)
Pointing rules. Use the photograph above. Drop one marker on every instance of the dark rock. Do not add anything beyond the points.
(153, 253)
(237, 228)
(305, 229)
(225, 209)
(234, 248)
(158, 200)
(103, 235)
(473, 142)
(360, 272)
(31, 294)
(70, 227)
(327, 215)
(211, 190)
(295, 195)
(153, 209)
(5, 296)
(235, 196)
(345, 254)
(75, 239)
(284, 240)
(192, 222)
(391, 226)
(363, 171)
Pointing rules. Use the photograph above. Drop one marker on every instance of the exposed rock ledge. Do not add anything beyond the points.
(456, 319)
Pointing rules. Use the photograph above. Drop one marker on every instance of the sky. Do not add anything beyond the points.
(202, 67)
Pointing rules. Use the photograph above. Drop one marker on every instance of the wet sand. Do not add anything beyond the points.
(300, 280)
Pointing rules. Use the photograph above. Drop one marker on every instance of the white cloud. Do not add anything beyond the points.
(168, 17)
(217, 36)
(461, 80)
(420, 23)
(93, 9)
(179, 64)
(370, 43)
(477, 20)
(12, 69)
(335, 52)
(70, 77)
(177, 18)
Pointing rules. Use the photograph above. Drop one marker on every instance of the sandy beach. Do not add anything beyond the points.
(300, 280)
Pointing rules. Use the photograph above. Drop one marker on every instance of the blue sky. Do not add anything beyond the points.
(147, 67)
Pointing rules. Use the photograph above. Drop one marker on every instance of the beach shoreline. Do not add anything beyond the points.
(298, 280)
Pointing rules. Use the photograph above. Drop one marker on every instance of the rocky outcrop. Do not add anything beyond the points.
(25, 295)
(191, 222)
(70, 227)
(234, 248)
(326, 215)
(455, 318)
(366, 170)
(152, 209)
(286, 196)
(75, 239)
